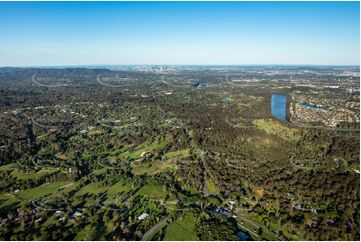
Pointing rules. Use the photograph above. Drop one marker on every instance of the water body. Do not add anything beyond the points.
(243, 236)
(310, 105)
(279, 106)
(225, 100)
(200, 85)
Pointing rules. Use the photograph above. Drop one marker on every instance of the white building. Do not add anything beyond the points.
(143, 216)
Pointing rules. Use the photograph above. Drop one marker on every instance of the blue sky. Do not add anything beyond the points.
(89, 33)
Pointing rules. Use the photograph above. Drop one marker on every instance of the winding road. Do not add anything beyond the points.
(153, 229)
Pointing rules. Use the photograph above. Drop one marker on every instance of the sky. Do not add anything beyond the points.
(201, 33)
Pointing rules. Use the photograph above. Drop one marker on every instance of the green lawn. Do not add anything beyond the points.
(153, 167)
(30, 176)
(50, 221)
(8, 167)
(92, 188)
(97, 187)
(85, 233)
(40, 191)
(182, 229)
(276, 128)
(211, 186)
(119, 187)
(99, 171)
(152, 190)
(177, 154)
(7, 200)
(144, 149)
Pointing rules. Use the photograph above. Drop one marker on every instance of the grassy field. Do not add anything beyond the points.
(50, 221)
(211, 186)
(143, 149)
(84, 233)
(96, 188)
(92, 188)
(99, 171)
(30, 176)
(276, 128)
(8, 200)
(182, 229)
(177, 154)
(152, 190)
(159, 166)
(119, 187)
(40, 191)
(153, 168)
(8, 167)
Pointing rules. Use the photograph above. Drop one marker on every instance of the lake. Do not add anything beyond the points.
(310, 105)
(279, 106)
(225, 100)
(200, 85)
(243, 236)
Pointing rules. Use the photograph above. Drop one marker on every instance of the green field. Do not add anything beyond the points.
(177, 154)
(92, 188)
(212, 188)
(276, 128)
(8, 200)
(119, 187)
(30, 176)
(99, 171)
(143, 149)
(153, 168)
(152, 190)
(182, 229)
(8, 167)
(40, 191)
(85, 233)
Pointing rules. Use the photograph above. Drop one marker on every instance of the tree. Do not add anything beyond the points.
(260, 231)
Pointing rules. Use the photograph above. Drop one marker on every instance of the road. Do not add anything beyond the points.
(34, 80)
(255, 224)
(154, 228)
(332, 129)
(201, 153)
(248, 230)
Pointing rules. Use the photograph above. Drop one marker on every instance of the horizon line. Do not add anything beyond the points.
(104, 65)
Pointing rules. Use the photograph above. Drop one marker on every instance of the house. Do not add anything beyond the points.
(231, 202)
(77, 214)
(225, 213)
(298, 206)
(330, 222)
(143, 216)
(314, 222)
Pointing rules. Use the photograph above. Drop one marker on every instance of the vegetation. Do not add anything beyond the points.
(182, 229)
(172, 160)
(276, 128)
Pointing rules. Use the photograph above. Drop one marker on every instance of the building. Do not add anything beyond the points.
(143, 216)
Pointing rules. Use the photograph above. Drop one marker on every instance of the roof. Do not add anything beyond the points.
(143, 216)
